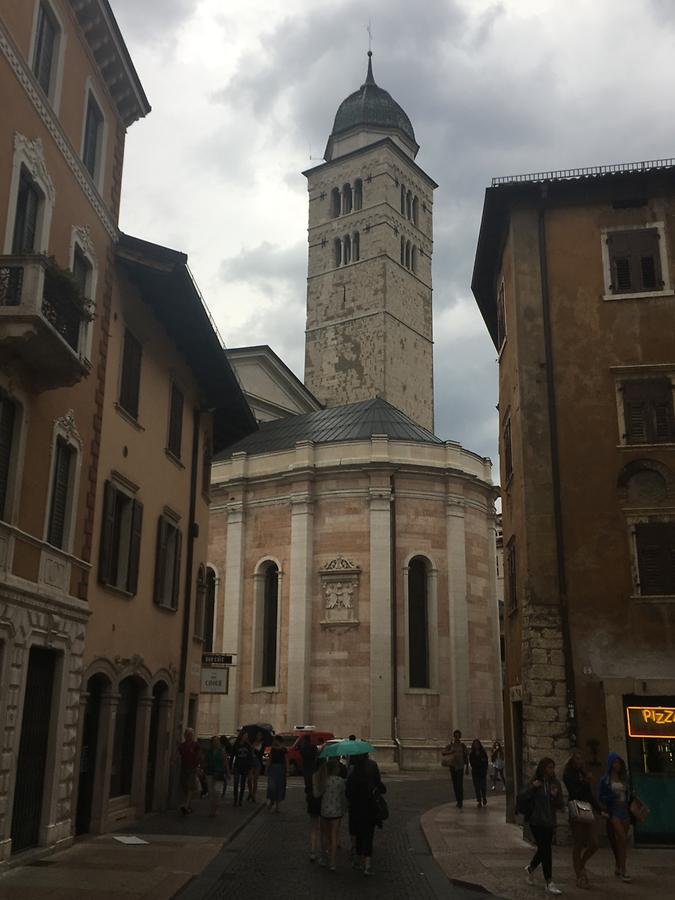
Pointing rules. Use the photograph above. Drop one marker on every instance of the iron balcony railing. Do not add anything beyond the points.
(587, 172)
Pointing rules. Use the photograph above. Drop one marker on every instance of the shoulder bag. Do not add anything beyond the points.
(580, 811)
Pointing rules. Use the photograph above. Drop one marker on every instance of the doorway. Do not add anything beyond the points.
(90, 726)
(153, 767)
(33, 748)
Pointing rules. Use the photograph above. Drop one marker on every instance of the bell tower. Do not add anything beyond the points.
(369, 309)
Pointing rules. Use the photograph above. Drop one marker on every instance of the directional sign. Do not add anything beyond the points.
(215, 681)
(215, 660)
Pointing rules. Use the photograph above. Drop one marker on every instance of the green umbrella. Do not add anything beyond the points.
(346, 748)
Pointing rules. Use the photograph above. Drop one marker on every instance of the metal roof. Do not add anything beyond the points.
(352, 422)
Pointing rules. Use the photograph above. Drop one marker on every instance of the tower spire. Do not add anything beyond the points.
(369, 76)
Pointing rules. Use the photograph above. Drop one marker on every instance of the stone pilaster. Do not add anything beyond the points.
(233, 602)
(380, 611)
(300, 609)
(104, 755)
(143, 716)
(458, 612)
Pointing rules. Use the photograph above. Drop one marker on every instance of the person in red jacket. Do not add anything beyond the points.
(190, 757)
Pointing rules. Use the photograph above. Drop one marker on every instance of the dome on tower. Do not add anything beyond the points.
(371, 107)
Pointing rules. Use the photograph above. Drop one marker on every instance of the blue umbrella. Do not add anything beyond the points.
(346, 748)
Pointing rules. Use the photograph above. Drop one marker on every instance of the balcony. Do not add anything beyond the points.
(42, 325)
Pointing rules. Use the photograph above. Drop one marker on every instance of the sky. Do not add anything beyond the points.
(243, 99)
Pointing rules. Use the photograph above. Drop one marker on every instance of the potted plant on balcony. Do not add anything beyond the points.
(64, 304)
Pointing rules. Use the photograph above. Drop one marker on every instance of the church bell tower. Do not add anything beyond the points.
(369, 310)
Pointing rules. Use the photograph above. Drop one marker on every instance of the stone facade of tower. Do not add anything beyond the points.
(369, 313)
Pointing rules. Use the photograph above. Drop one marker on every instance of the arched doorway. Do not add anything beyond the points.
(124, 743)
(96, 687)
(155, 749)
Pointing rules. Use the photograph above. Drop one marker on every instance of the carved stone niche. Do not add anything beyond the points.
(340, 592)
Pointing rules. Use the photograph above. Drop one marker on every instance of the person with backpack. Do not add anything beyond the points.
(538, 803)
(364, 795)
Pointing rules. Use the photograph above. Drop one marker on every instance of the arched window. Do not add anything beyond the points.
(337, 247)
(267, 625)
(402, 251)
(124, 741)
(358, 194)
(347, 252)
(415, 210)
(335, 202)
(418, 624)
(407, 254)
(408, 205)
(413, 259)
(346, 199)
(402, 200)
(209, 610)
(356, 249)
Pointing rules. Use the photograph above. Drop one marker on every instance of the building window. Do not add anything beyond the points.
(92, 144)
(335, 202)
(358, 194)
(403, 196)
(648, 411)
(508, 457)
(511, 579)
(61, 492)
(347, 249)
(501, 318)
(8, 423)
(200, 603)
(209, 610)
(337, 249)
(413, 259)
(407, 254)
(167, 564)
(120, 539)
(266, 625)
(655, 542)
(46, 49)
(346, 199)
(124, 740)
(26, 219)
(175, 421)
(130, 380)
(402, 251)
(415, 210)
(418, 624)
(635, 261)
(207, 459)
(356, 248)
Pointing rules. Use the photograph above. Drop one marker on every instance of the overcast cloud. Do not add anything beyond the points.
(241, 92)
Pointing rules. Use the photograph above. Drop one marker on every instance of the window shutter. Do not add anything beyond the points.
(107, 531)
(7, 416)
(135, 546)
(656, 557)
(176, 570)
(160, 559)
(60, 493)
(635, 260)
(648, 410)
(636, 422)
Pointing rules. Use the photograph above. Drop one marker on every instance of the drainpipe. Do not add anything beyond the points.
(394, 624)
(555, 472)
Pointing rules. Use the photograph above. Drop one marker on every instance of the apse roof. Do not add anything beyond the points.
(352, 422)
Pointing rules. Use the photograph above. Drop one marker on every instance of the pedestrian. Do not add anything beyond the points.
(313, 800)
(363, 784)
(614, 802)
(242, 759)
(277, 773)
(333, 808)
(255, 768)
(308, 754)
(217, 768)
(497, 760)
(227, 750)
(189, 756)
(582, 808)
(457, 760)
(541, 797)
(478, 760)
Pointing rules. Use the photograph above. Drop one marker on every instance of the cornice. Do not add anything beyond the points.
(53, 126)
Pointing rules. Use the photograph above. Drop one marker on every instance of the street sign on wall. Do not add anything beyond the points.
(215, 680)
(217, 660)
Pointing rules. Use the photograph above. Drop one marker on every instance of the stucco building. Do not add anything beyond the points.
(353, 549)
(574, 277)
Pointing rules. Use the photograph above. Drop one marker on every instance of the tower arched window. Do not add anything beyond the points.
(356, 248)
(337, 250)
(267, 622)
(408, 205)
(415, 210)
(407, 254)
(346, 199)
(413, 259)
(358, 194)
(347, 249)
(419, 675)
(402, 251)
(402, 200)
(335, 202)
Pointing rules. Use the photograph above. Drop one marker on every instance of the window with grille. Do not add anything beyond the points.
(26, 218)
(8, 421)
(418, 624)
(648, 411)
(130, 381)
(167, 563)
(46, 48)
(175, 421)
(635, 261)
(508, 456)
(511, 579)
(62, 486)
(120, 539)
(656, 557)
(93, 136)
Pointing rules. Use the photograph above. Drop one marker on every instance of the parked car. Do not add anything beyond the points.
(292, 740)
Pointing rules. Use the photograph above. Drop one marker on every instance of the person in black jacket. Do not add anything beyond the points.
(542, 796)
(363, 779)
(578, 780)
(478, 760)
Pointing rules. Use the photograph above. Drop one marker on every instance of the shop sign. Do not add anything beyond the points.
(215, 681)
(651, 721)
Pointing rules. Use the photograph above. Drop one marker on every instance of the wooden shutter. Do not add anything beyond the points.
(176, 570)
(134, 546)
(648, 411)
(60, 493)
(656, 557)
(635, 261)
(107, 534)
(7, 417)
(160, 559)
(131, 374)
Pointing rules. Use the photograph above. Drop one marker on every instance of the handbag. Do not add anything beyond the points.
(638, 809)
(580, 811)
(381, 808)
(445, 760)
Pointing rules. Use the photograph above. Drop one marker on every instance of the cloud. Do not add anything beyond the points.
(150, 21)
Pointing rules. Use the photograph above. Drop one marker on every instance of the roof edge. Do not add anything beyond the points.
(360, 150)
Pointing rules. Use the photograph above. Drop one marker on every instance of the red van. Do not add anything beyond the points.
(291, 740)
